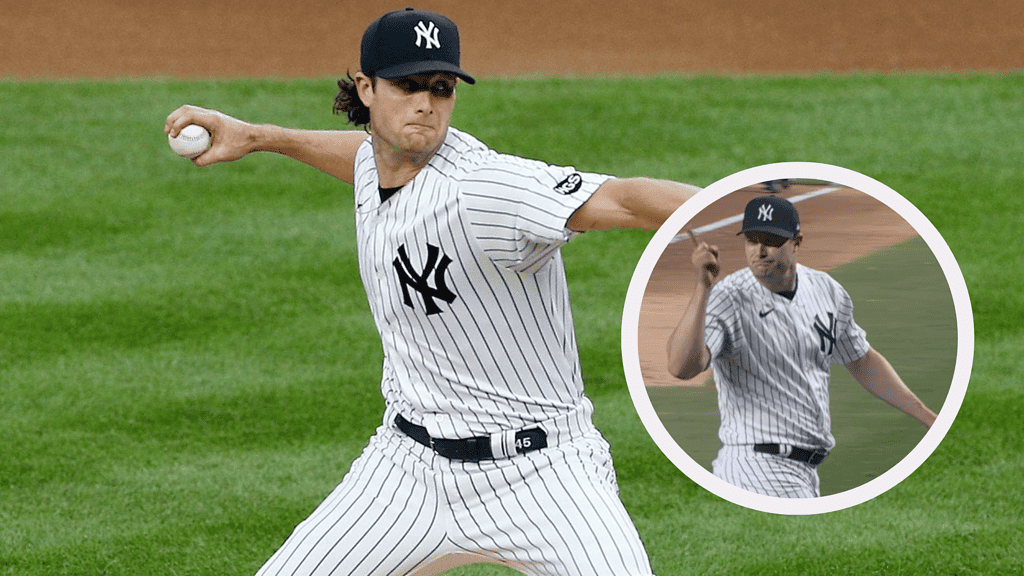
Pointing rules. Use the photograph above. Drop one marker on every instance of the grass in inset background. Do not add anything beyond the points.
(188, 364)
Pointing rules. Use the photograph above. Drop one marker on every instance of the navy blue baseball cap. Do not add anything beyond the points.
(773, 215)
(409, 42)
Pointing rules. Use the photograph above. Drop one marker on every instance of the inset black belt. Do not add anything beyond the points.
(471, 449)
(812, 457)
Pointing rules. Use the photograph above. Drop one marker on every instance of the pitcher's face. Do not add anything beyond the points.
(772, 258)
(410, 115)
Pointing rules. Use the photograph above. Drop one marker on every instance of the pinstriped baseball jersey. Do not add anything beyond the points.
(772, 357)
(463, 273)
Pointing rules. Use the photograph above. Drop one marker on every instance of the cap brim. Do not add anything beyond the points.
(423, 67)
(782, 232)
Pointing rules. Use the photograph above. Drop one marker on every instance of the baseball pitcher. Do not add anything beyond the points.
(486, 451)
(772, 331)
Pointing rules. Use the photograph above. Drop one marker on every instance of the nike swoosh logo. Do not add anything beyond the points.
(763, 314)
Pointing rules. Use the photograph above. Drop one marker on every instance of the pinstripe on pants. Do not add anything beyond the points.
(766, 474)
(554, 511)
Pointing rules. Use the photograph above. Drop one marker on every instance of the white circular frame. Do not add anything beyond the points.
(961, 373)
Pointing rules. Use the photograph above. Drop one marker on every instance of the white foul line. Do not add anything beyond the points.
(739, 217)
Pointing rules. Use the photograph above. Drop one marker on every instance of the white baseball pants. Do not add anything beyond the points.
(402, 509)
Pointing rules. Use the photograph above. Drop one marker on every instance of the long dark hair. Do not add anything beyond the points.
(347, 102)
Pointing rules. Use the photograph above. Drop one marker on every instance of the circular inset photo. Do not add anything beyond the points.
(797, 338)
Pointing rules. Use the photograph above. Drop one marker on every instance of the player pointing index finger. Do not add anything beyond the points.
(776, 423)
(705, 260)
(486, 451)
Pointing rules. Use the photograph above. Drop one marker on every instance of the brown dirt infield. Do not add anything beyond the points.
(315, 38)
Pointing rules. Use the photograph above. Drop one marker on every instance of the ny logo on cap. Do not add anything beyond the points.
(765, 212)
(427, 33)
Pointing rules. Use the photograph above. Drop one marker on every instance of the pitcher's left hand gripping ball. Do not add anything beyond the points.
(192, 141)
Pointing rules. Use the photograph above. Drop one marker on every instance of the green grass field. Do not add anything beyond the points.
(188, 364)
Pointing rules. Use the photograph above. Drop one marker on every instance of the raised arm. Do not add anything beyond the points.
(877, 376)
(688, 353)
(631, 203)
(330, 151)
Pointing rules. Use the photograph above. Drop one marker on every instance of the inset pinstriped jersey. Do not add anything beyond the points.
(465, 281)
(772, 357)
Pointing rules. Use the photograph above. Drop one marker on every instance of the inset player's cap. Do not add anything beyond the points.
(773, 215)
(409, 42)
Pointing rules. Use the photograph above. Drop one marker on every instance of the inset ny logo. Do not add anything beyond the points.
(420, 282)
(765, 212)
(427, 33)
(826, 334)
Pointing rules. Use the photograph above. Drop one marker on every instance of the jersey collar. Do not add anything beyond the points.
(790, 294)
(386, 193)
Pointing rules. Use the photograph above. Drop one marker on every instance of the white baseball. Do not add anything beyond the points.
(192, 141)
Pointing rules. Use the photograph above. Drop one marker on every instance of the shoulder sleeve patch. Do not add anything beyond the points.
(570, 184)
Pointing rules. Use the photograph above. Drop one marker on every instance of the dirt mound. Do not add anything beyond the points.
(316, 38)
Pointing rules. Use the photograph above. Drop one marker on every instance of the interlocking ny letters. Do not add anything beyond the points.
(420, 282)
(826, 333)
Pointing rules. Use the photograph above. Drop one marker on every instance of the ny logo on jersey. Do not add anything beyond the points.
(826, 334)
(427, 33)
(765, 212)
(420, 282)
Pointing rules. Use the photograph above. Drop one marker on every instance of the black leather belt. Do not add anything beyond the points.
(812, 457)
(471, 449)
